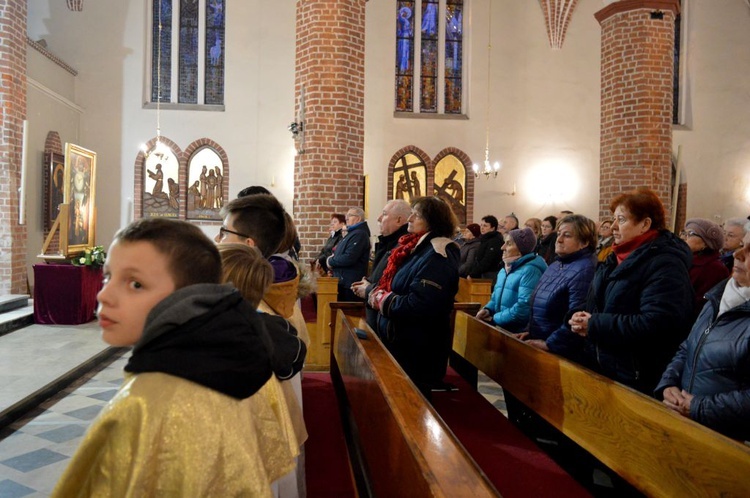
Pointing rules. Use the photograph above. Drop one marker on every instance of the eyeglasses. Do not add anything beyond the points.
(223, 231)
(689, 233)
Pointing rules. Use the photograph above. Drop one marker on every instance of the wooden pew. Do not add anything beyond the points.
(401, 446)
(474, 290)
(656, 450)
(319, 351)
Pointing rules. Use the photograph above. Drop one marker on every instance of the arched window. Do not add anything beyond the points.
(409, 177)
(205, 185)
(450, 184)
(198, 60)
(429, 61)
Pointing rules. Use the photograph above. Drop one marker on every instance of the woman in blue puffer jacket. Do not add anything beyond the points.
(709, 378)
(509, 305)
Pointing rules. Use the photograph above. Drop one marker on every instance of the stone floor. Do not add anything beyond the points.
(34, 450)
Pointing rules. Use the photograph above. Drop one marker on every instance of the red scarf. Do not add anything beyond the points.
(406, 245)
(622, 251)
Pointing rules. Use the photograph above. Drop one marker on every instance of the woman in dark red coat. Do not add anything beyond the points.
(705, 239)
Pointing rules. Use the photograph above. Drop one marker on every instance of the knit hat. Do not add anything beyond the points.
(524, 239)
(474, 229)
(710, 232)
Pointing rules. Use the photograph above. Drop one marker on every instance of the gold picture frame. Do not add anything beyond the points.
(80, 197)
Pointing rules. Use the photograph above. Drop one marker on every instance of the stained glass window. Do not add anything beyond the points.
(188, 86)
(429, 72)
(405, 56)
(161, 68)
(200, 73)
(215, 52)
(429, 61)
(453, 56)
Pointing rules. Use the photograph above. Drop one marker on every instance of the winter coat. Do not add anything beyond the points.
(331, 243)
(489, 256)
(713, 364)
(640, 312)
(383, 248)
(706, 271)
(563, 287)
(510, 303)
(468, 255)
(349, 260)
(414, 320)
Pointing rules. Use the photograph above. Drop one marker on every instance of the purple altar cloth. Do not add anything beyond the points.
(65, 294)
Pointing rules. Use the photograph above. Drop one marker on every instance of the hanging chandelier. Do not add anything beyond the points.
(488, 169)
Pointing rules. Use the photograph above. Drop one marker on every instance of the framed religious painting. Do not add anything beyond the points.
(54, 181)
(79, 196)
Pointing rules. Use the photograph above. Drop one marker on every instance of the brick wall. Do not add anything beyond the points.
(636, 98)
(13, 238)
(330, 64)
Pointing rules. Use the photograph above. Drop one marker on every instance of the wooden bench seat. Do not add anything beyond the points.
(654, 449)
(403, 446)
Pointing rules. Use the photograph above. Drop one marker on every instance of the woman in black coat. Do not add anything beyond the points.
(546, 245)
(414, 296)
(639, 308)
(709, 378)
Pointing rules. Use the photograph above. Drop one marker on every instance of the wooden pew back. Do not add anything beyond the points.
(405, 447)
(656, 450)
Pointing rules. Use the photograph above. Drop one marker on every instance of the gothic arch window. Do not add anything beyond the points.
(187, 40)
(408, 177)
(429, 60)
(206, 184)
(450, 184)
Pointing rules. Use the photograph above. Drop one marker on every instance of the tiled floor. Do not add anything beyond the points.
(34, 450)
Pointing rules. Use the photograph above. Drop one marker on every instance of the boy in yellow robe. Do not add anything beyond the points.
(200, 412)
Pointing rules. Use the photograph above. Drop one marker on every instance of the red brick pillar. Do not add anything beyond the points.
(636, 99)
(12, 115)
(330, 64)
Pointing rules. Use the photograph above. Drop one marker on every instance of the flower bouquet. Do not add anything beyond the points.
(92, 256)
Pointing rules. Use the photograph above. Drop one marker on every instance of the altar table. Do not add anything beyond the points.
(65, 294)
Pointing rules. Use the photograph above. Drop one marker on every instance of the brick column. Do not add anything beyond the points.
(12, 113)
(636, 99)
(330, 64)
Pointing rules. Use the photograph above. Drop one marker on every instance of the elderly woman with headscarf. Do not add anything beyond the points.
(638, 309)
(509, 305)
(709, 378)
(414, 296)
(705, 239)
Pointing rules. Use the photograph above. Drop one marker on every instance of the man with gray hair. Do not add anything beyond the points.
(734, 232)
(393, 223)
(349, 260)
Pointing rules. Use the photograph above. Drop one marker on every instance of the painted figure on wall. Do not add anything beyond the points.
(80, 188)
(160, 168)
(450, 185)
(409, 175)
(206, 177)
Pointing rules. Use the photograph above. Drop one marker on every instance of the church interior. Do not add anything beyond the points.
(167, 108)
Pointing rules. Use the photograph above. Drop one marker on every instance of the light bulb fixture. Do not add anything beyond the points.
(489, 169)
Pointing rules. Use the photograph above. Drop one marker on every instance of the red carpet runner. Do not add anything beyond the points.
(327, 469)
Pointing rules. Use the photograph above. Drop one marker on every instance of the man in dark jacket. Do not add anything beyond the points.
(349, 260)
(393, 223)
(490, 253)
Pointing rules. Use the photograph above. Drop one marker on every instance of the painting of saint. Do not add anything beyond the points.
(79, 190)
(161, 193)
(206, 180)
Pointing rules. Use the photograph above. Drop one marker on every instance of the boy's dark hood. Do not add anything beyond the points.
(208, 334)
